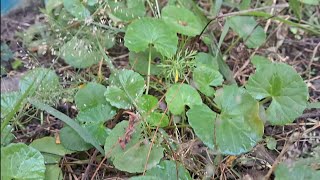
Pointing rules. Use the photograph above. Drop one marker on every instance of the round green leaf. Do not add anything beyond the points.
(80, 53)
(135, 151)
(53, 172)
(301, 169)
(236, 129)
(91, 96)
(168, 170)
(46, 81)
(71, 140)
(125, 87)
(139, 62)
(205, 78)
(48, 145)
(19, 161)
(286, 88)
(180, 95)
(125, 10)
(98, 114)
(238, 126)
(206, 60)
(98, 131)
(182, 20)
(145, 32)
(201, 118)
(147, 103)
(76, 8)
(246, 27)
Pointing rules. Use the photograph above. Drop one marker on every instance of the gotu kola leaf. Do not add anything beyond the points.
(76, 8)
(124, 89)
(139, 61)
(281, 83)
(147, 105)
(135, 150)
(19, 161)
(48, 145)
(146, 32)
(236, 129)
(168, 170)
(182, 20)
(247, 28)
(205, 78)
(180, 95)
(80, 53)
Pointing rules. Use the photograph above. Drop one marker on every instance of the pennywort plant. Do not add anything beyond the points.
(228, 119)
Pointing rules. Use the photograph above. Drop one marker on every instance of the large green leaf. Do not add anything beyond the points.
(19, 161)
(125, 10)
(46, 81)
(80, 53)
(125, 87)
(284, 86)
(90, 96)
(182, 20)
(201, 118)
(76, 8)
(48, 145)
(168, 170)
(297, 170)
(98, 131)
(205, 78)
(236, 129)
(247, 28)
(145, 32)
(206, 60)
(180, 95)
(72, 141)
(139, 62)
(135, 151)
(99, 114)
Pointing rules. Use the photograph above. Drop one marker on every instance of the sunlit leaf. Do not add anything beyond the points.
(124, 89)
(281, 83)
(180, 95)
(19, 161)
(145, 32)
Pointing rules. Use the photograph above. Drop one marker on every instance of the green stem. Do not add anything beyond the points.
(149, 71)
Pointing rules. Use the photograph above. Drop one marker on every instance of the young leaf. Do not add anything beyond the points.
(284, 86)
(168, 170)
(205, 78)
(253, 35)
(19, 161)
(182, 20)
(48, 145)
(145, 32)
(72, 141)
(147, 104)
(180, 95)
(135, 151)
(125, 10)
(125, 87)
(91, 96)
(76, 8)
(80, 53)
(236, 129)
